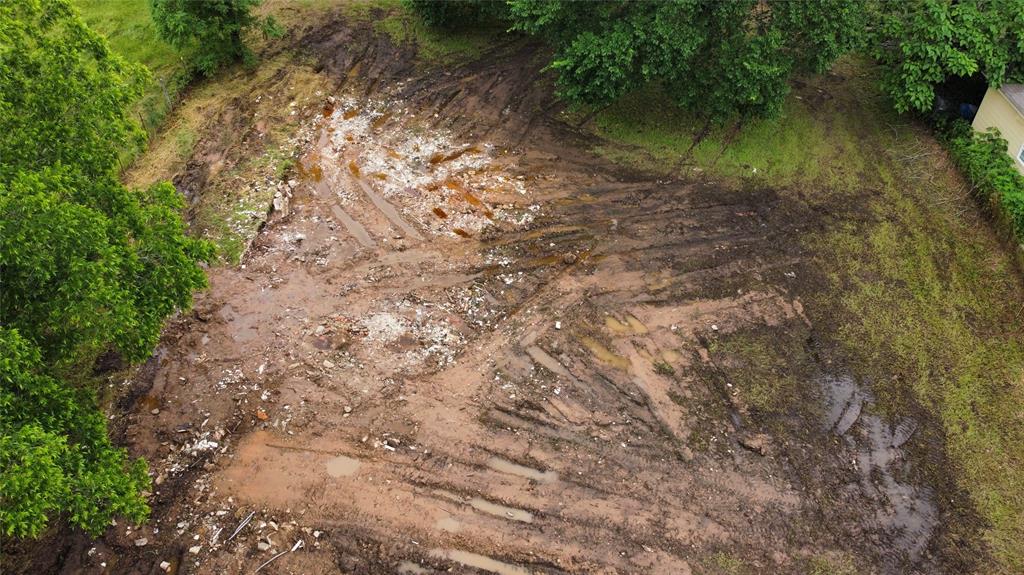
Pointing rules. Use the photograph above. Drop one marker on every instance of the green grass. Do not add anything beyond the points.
(434, 47)
(921, 296)
(808, 142)
(130, 32)
(760, 366)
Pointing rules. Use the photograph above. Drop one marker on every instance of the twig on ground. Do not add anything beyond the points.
(241, 526)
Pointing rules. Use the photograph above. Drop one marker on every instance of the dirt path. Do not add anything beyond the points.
(464, 343)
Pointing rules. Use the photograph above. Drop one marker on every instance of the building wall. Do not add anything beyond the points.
(997, 111)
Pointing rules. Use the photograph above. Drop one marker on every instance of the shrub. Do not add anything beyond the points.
(983, 159)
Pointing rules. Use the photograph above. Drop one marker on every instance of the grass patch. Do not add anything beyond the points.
(840, 565)
(934, 313)
(759, 364)
(434, 46)
(921, 296)
(723, 563)
(131, 33)
(811, 141)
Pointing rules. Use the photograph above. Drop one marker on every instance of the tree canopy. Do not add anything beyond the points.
(722, 58)
(88, 265)
(735, 59)
(920, 43)
(212, 30)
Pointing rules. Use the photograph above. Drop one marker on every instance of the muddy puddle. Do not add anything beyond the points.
(505, 466)
(342, 466)
(906, 512)
(478, 561)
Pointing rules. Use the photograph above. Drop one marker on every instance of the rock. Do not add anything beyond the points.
(263, 546)
(261, 415)
(165, 565)
(141, 542)
(340, 341)
(569, 258)
(348, 409)
(195, 549)
(558, 325)
(320, 329)
(759, 443)
(280, 205)
(328, 364)
(155, 411)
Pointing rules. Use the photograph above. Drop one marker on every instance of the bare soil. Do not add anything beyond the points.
(464, 343)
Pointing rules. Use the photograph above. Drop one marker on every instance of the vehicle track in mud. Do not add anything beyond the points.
(468, 343)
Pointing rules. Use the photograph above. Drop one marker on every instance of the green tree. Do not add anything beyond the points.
(86, 265)
(920, 43)
(723, 59)
(55, 455)
(211, 29)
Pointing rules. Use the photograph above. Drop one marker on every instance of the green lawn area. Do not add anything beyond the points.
(130, 31)
(922, 297)
(435, 47)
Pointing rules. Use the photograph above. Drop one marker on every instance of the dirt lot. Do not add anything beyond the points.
(463, 343)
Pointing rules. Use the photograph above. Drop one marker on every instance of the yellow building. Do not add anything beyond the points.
(1003, 108)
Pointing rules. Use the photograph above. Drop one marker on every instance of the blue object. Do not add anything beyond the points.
(968, 111)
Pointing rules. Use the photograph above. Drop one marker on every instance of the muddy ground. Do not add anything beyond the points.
(464, 343)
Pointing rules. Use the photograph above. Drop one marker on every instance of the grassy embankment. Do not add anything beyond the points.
(130, 32)
(924, 298)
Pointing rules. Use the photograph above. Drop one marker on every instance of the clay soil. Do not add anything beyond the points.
(463, 343)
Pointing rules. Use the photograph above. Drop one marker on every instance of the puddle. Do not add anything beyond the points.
(353, 167)
(481, 504)
(479, 561)
(410, 568)
(604, 354)
(388, 210)
(505, 466)
(544, 358)
(905, 510)
(246, 326)
(461, 232)
(350, 113)
(631, 326)
(670, 356)
(342, 466)
(440, 213)
(449, 524)
(328, 110)
(355, 229)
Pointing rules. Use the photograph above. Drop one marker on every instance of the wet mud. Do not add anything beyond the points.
(470, 345)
